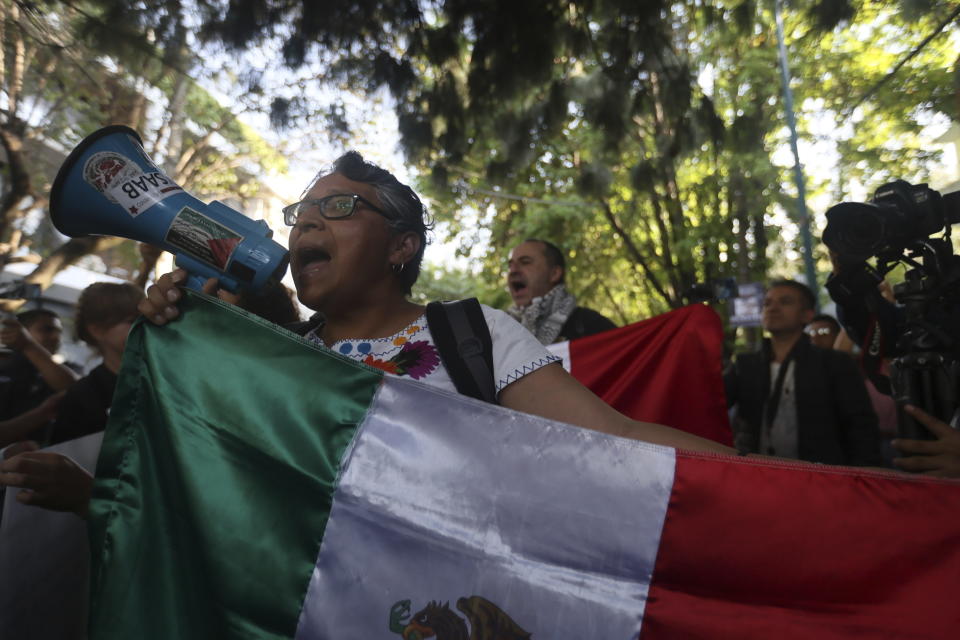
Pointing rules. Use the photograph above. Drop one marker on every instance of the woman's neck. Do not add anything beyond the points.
(387, 317)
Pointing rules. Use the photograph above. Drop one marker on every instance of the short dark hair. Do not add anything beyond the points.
(553, 255)
(399, 201)
(806, 295)
(27, 318)
(825, 317)
(106, 304)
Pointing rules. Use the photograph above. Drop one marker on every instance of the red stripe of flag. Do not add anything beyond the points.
(774, 550)
(667, 369)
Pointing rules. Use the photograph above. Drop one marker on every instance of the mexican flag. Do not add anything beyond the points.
(666, 369)
(251, 485)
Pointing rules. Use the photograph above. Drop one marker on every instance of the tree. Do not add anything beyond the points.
(78, 71)
(640, 135)
(43, 80)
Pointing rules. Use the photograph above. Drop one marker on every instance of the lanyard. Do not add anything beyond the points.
(773, 400)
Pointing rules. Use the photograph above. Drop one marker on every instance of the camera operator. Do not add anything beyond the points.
(923, 330)
(876, 324)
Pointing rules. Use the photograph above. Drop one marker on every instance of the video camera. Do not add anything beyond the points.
(900, 215)
(898, 226)
(716, 290)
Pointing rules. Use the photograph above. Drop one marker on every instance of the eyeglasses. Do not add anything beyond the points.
(339, 205)
(819, 331)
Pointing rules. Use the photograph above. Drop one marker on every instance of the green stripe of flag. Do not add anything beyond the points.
(188, 537)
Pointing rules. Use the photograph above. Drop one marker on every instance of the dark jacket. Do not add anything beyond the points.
(836, 423)
(85, 407)
(583, 322)
(21, 386)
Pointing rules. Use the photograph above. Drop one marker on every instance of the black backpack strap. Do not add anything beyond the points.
(462, 337)
(303, 328)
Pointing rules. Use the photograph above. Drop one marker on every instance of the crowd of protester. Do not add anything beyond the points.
(356, 248)
(45, 400)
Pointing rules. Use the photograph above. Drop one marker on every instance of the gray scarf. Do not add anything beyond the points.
(546, 315)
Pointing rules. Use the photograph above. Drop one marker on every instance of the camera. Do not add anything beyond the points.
(899, 215)
(715, 290)
(898, 226)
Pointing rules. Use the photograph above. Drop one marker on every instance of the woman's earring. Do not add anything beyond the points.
(398, 268)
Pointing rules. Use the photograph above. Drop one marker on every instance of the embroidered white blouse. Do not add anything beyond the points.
(411, 351)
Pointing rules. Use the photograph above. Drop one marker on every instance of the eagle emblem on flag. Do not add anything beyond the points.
(486, 621)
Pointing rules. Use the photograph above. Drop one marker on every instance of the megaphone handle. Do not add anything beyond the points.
(194, 282)
(198, 273)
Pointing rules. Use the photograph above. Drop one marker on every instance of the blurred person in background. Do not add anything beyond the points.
(104, 315)
(32, 373)
(874, 320)
(823, 331)
(105, 312)
(796, 400)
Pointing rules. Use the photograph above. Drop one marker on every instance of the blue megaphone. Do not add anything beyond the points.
(108, 186)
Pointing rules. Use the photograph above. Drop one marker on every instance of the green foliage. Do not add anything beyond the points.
(640, 136)
(88, 64)
(629, 174)
(453, 283)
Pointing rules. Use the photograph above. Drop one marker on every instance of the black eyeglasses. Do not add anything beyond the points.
(339, 205)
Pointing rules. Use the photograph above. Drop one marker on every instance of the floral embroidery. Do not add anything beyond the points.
(386, 365)
(415, 359)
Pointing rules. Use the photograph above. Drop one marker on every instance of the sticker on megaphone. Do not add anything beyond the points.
(109, 186)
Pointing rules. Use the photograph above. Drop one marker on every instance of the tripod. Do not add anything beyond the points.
(927, 375)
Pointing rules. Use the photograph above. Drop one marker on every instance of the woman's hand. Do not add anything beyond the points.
(940, 457)
(49, 480)
(160, 304)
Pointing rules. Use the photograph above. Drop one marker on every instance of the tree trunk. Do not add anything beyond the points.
(67, 254)
(21, 188)
(632, 249)
(15, 82)
(3, 52)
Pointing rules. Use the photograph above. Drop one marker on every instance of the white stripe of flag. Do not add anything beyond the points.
(560, 538)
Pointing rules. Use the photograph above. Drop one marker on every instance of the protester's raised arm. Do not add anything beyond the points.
(551, 392)
(57, 376)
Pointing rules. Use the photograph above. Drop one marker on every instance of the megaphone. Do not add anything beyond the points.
(108, 186)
